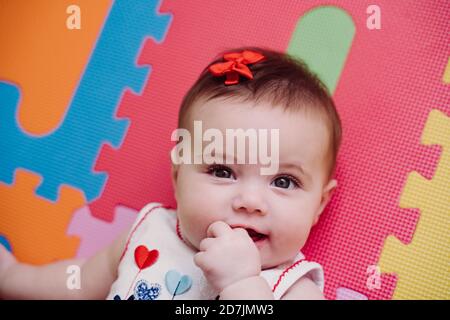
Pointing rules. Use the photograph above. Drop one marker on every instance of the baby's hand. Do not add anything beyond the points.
(227, 255)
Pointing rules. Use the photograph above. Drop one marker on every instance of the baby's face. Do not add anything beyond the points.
(281, 207)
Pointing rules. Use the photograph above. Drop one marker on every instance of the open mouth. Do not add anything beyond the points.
(256, 236)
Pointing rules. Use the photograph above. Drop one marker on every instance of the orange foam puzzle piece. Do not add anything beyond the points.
(45, 58)
(35, 227)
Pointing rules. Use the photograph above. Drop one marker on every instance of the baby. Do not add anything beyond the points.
(237, 230)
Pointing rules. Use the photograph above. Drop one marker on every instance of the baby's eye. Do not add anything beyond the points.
(286, 182)
(220, 171)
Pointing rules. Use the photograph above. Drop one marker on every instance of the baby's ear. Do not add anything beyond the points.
(327, 192)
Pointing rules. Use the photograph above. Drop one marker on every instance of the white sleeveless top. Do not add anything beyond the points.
(157, 264)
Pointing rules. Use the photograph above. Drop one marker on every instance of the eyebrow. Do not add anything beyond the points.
(295, 166)
(220, 154)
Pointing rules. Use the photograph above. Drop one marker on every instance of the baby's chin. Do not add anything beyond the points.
(273, 262)
(270, 265)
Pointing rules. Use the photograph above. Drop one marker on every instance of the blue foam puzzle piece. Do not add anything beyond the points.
(4, 242)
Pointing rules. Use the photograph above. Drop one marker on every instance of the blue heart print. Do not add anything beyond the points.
(144, 291)
(176, 283)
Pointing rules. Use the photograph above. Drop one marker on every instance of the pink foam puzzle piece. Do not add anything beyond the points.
(390, 83)
(96, 234)
(139, 171)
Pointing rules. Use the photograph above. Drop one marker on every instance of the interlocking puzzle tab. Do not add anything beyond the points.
(446, 76)
(46, 59)
(95, 234)
(67, 155)
(35, 227)
(423, 265)
(323, 38)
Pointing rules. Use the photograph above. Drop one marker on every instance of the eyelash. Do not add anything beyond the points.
(297, 183)
(213, 167)
(294, 180)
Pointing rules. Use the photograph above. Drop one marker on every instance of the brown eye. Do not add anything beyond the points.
(286, 182)
(222, 172)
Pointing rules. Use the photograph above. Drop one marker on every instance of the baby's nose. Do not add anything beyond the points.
(250, 201)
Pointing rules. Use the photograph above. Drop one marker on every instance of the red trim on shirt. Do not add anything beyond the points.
(286, 271)
(139, 223)
(178, 231)
(180, 236)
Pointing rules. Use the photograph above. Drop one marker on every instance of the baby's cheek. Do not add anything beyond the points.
(193, 231)
(296, 233)
(197, 225)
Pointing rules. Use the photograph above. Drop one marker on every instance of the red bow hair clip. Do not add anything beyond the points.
(236, 65)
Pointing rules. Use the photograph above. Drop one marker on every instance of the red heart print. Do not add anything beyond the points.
(145, 258)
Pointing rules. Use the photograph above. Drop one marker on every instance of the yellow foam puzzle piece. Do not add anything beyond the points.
(446, 76)
(423, 266)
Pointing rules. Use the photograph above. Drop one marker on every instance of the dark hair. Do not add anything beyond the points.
(281, 80)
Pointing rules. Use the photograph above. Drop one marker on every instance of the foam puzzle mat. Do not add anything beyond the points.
(86, 117)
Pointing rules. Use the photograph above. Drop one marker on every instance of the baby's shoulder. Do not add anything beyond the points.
(282, 277)
(155, 210)
(154, 218)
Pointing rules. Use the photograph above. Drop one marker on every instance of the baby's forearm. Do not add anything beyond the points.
(87, 279)
(22, 281)
(252, 288)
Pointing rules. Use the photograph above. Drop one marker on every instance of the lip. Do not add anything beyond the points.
(243, 226)
(261, 242)
(258, 242)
